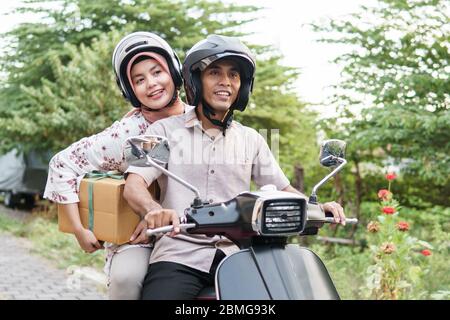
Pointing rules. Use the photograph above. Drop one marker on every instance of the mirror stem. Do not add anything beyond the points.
(313, 197)
(197, 200)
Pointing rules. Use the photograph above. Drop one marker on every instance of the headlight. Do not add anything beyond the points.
(279, 217)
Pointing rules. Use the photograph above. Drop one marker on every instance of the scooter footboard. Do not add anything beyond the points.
(274, 272)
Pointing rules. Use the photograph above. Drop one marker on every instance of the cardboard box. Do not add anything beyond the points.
(113, 219)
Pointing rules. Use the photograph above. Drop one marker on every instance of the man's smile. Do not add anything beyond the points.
(223, 93)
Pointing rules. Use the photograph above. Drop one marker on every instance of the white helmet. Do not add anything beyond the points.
(135, 43)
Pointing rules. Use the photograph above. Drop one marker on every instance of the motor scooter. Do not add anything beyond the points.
(266, 267)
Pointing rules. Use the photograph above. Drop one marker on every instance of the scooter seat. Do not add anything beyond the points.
(208, 293)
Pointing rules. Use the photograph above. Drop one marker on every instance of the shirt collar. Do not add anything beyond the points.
(191, 120)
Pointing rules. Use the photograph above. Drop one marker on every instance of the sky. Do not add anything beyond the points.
(282, 24)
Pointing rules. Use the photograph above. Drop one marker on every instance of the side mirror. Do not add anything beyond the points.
(138, 148)
(154, 151)
(331, 151)
(332, 154)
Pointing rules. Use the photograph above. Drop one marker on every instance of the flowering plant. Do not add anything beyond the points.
(396, 254)
(391, 176)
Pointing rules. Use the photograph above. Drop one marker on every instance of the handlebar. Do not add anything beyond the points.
(183, 227)
(347, 220)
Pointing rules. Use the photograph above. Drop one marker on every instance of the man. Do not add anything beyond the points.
(214, 153)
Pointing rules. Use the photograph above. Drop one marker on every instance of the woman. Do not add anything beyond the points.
(148, 73)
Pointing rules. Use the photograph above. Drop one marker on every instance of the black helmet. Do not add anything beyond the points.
(215, 47)
(135, 43)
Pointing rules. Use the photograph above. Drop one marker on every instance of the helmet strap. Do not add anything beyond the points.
(208, 111)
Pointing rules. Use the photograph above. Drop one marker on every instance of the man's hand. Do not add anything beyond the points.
(337, 211)
(87, 240)
(139, 235)
(163, 217)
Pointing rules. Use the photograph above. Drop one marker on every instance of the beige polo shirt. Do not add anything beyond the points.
(220, 167)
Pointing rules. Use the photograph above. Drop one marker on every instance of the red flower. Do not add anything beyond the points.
(403, 226)
(426, 252)
(391, 176)
(388, 210)
(384, 194)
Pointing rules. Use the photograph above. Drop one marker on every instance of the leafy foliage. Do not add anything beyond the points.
(393, 96)
(402, 255)
(60, 85)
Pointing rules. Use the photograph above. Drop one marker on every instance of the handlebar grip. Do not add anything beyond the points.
(183, 227)
(351, 221)
(347, 220)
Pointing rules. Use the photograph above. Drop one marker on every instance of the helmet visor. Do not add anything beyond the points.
(246, 65)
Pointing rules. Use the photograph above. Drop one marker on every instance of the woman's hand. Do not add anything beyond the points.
(87, 240)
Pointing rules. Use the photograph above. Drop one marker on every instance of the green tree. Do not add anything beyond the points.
(37, 52)
(393, 95)
(60, 85)
(181, 23)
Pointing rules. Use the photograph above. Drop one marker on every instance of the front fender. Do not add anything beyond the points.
(274, 273)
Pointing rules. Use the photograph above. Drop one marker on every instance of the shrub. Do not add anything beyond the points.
(399, 259)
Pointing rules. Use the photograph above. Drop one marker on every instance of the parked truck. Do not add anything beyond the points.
(23, 177)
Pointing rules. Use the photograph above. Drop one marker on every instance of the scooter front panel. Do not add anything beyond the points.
(238, 278)
(274, 273)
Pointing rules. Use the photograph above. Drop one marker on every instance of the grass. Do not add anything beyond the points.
(60, 248)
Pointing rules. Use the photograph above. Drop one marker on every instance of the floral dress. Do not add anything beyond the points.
(104, 152)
